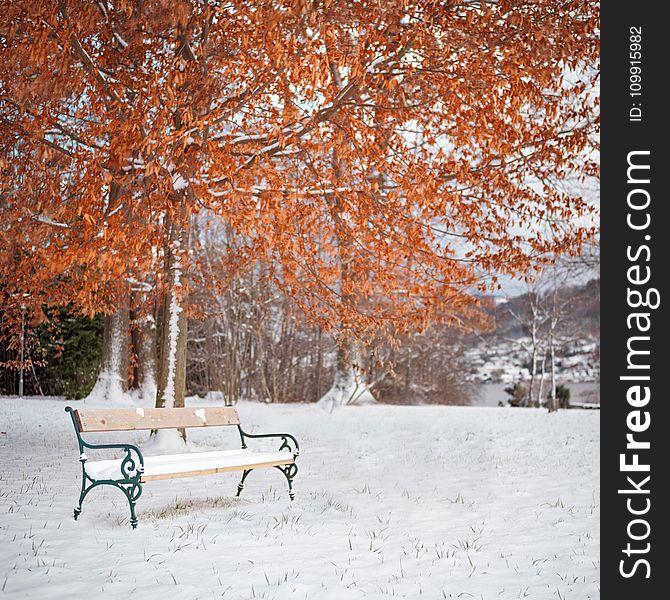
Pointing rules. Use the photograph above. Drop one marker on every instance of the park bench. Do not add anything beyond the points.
(132, 470)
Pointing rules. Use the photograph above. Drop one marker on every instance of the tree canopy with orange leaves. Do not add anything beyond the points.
(388, 159)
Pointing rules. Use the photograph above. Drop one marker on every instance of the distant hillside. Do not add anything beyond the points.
(581, 301)
(504, 354)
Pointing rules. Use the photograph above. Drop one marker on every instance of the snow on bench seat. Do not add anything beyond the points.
(196, 463)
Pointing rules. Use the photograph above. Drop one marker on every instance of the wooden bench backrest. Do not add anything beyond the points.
(125, 419)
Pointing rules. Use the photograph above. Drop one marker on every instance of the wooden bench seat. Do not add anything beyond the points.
(129, 472)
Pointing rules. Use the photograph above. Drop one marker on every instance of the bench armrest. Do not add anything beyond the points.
(288, 441)
(131, 466)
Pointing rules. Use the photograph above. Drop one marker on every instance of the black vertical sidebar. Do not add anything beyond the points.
(635, 243)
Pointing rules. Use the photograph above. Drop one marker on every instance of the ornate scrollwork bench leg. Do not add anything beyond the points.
(289, 472)
(133, 492)
(82, 495)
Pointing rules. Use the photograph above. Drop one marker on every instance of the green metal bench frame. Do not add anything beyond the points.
(132, 466)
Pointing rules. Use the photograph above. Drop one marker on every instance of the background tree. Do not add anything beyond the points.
(561, 303)
(533, 319)
(553, 314)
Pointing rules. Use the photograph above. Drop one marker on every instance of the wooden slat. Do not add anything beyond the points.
(215, 470)
(128, 419)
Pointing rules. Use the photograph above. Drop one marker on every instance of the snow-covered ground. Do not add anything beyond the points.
(392, 501)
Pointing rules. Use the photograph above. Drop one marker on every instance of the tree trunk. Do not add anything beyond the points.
(533, 359)
(553, 401)
(349, 386)
(143, 342)
(213, 368)
(172, 326)
(319, 365)
(531, 383)
(540, 386)
(111, 386)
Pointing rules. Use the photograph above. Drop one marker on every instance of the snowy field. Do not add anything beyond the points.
(392, 502)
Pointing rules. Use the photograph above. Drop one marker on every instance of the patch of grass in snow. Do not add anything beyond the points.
(191, 529)
(376, 537)
(337, 505)
(560, 504)
(406, 494)
(35, 485)
(291, 575)
(241, 515)
(586, 536)
(442, 552)
(271, 495)
(386, 591)
(182, 537)
(181, 506)
(458, 499)
(384, 519)
(366, 489)
(419, 549)
(285, 519)
(117, 520)
(477, 529)
(557, 504)
(468, 544)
